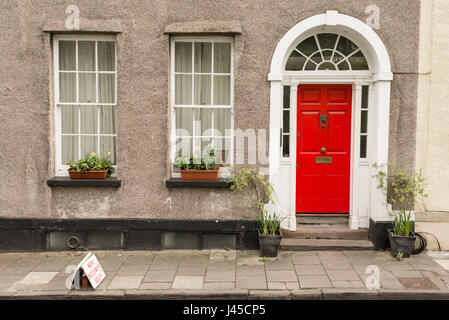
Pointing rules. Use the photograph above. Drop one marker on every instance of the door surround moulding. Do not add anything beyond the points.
(379, 78)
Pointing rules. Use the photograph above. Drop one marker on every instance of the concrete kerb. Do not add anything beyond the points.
(237, 294)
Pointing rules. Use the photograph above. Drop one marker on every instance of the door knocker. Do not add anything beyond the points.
(323, 121)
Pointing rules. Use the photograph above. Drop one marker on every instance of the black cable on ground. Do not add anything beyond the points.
(439, 246)
(422, 243)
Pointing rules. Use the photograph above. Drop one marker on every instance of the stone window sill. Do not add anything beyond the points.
(67, 182)
(178, 183)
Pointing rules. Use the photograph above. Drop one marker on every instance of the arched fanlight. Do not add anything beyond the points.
(326, 51)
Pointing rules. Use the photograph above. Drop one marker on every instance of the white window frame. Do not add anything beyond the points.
(61, 168)
(224, 171)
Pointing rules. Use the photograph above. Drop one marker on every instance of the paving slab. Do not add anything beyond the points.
(418, 283)
(222, 255)
(222, 285)
(189, 270)
(276, 286)
(159, 276)
(281, 275)
(125, 282)
(342, 275)
(155, 285)
(133, 270)
(309, 270)
(312, 282)
(220, 275)
(250, 270)
(251, 282)
(279, 265)
(307, 258)
(188, 282)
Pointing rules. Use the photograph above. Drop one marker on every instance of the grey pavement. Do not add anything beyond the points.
(230, 274)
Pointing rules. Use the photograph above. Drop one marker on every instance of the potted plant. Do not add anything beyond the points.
(196, 168)
(91, 167)
(403, 188)
(269, 231)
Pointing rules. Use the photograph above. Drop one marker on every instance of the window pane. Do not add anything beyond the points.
(69, 119)
(358, 61)
(286, 146)
(88, 119)
(203, 122)
(327, 40)
(363, 141)
(222, 148)
(346, 46)
(109, 144)
(88, 145)
(69, 148)
(106, 88)
(365, 93)
(286, 121)
(202, 90)
(106, 56)
(184, 146)
(108, 120)
(203, 57)
(183, 57)
(222, 57)
(327, 66)
(87, 87)
(67, 87)
(310, 66)
(308, 46)
(86, 55)
(222, 90)
(67, 55)
(295, 62)
(364, 122)
(183, 89)
(344, 66)
(317, 57)
(337, 58)
(184, 121)
(286, 97)
(222, 122)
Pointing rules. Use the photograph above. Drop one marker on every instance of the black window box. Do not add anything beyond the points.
(178, 183)
(67, 182)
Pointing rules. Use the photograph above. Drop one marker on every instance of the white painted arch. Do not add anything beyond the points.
(367, 202)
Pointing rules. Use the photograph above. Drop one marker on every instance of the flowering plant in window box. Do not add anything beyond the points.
(196, 168)
(91, 167)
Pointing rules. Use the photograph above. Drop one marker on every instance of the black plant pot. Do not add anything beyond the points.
(269, 245)
(402, 244)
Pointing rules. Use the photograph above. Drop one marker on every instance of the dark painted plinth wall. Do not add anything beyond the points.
(132, 234)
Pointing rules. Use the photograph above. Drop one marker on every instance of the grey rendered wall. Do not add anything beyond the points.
(26, 116)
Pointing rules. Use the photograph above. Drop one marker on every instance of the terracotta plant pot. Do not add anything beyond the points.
(93, 174)
(205, 175)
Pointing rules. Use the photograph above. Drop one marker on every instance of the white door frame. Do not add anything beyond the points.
(366, 201)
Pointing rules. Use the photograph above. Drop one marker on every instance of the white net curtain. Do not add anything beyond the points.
(203, 98)
(87, 99)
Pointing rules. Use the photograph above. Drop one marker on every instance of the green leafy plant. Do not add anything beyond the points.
(400, 256)
(247, 178)
(92, 162)
(402, 187)
(195, 162)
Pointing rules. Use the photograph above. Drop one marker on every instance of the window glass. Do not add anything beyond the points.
(207, 89)
(334, 52)
(86, 104)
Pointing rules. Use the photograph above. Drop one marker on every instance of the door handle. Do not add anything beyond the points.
(323, 149)
(323, 121)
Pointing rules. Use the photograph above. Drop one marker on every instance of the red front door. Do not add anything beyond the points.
(323, 148)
